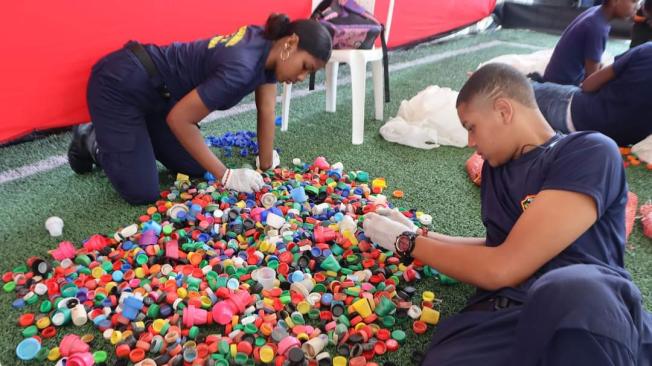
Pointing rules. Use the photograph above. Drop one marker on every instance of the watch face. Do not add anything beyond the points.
(403, 243)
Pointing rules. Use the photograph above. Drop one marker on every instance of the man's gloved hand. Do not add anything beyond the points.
(382, 230)
(396, 215)
(276, 160)
(242, 180)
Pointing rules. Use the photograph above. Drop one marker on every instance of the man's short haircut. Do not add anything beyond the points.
(496, 80)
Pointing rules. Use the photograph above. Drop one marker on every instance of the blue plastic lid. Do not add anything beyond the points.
(28, 348)
(18, 303)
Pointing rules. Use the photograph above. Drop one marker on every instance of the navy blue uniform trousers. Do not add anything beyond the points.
(576, 315)
(129, 117)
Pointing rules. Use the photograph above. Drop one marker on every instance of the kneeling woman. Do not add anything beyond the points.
(145, 102)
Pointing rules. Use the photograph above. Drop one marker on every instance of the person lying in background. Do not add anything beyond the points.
(614, 100)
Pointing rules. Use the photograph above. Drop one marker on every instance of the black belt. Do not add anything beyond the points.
(146, 60)
(492, 304)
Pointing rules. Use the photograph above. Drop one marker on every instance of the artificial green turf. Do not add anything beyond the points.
(434, 181)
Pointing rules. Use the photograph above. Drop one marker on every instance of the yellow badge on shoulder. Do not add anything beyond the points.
(525, 203)
(230, 40)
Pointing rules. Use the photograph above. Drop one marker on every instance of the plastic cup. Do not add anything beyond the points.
(265, 276)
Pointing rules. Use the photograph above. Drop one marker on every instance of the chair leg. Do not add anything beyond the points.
(285, 105)
(331, 86)
(379, 88)
(358, 76)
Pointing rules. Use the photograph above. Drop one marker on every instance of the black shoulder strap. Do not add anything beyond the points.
(385, 62)
(146, 60)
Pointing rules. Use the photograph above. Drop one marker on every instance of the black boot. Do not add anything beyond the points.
(82, 152)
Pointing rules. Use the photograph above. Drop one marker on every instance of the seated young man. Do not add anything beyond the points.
(552, 289)
(614, 100)
(642, 29)
(579, 50)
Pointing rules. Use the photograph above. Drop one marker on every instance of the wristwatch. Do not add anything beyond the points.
(404, 245)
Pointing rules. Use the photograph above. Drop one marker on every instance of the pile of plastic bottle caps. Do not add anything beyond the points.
(283, 276)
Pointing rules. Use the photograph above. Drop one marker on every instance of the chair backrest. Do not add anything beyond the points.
(370, 6)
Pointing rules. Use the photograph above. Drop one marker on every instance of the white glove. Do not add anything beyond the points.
(276, 160)
(397, 216)
(382, 231)
(242, 180)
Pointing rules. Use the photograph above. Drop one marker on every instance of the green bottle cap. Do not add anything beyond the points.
(398, 335)
(251, 328)
(42, 353)
(389, 321)
(9, 286)
(241, 358)
(46, 307)
(100, 356)
(193, 332)
(83, 259)
(30, 331)
(223, 347)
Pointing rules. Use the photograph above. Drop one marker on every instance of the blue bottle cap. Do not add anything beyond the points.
(28, 348)
(18, 303)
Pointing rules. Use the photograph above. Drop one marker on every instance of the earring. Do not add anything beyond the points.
(286, 55)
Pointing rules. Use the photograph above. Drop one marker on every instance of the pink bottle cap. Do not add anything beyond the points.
(65, 250)
(71, 344)
(81, 359)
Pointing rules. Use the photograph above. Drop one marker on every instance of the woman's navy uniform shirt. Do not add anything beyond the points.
(224, 69)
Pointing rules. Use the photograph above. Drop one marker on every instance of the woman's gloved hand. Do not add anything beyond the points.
(276, 160)
(383, 230)
(242, 180)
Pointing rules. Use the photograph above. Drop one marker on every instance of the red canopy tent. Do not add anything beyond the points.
(49, 47)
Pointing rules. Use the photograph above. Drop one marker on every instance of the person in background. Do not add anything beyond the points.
(578, 52)
(642, 29)
(614, 100)
(146, 101)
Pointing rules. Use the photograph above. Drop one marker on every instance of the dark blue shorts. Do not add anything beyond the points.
(575, 315)
(553, 101)
(129, 116)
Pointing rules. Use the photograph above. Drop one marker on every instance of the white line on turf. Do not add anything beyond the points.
(54, 162)
(31, 169)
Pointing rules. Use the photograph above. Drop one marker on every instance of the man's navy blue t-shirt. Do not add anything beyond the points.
(584, 39)
(621, 109)
(224, 69)
(585, 162)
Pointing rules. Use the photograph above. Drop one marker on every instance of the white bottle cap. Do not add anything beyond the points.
(54, 225)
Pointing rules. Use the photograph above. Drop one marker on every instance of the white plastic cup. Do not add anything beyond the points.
(274, 220)
(54, 225)
(265, 276)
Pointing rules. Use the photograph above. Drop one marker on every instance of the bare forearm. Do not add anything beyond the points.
(473, 264)
(266, 131)
(456, 239)
(594, 82)
(191, 139)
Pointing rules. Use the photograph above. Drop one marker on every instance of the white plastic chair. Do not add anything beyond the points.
(357, 60)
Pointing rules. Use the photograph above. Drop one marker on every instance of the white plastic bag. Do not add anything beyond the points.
(526, 64)
(644, 150)
(427, 120)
